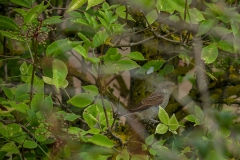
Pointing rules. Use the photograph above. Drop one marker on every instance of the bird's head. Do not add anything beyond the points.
(166, 87)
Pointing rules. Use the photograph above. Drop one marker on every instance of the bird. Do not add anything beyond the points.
(148, 108)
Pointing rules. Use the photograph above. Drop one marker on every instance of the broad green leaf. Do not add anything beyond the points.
(101, 140)
(226, 46)
(205, 26)
(20, 11)
(173, 123)
(235, 27)
(79, 49)
(92, 3)
(90, 119)
(71, 117)
(85, 39)
(48, 80)
(24, 3)
(163, 116)
(209, 53)
(8, 93)
(52, 20)
(178, 5)
(136, 56)
(37, 101)
(23, 68)
(161, 129)
(149, 139)
(94, 131)
(33, 13)
(191, 118)
(174, 18)
(10, 148)
(123, 155)
(60, 72)
(152, 16)
(158, 144)
(81, 100)
(199, 113)
(220, 31)
(60, 46)
(164, 5)
(13, 35)
(166, 70)
(156, 64)
(22, 90)
(76, 131)
(125, 65)
(21, 107)
(75, 4)
(91, 89)
(47, 105)
(29, 144)
(7, 23)
(236, 42)
(193, 16)
(121, 12)
(99, 38)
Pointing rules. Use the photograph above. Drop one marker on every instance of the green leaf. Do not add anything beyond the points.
(91, 89)
(81, 100)
(125, 65)
(235, 27)
(173, 123)
(152, 16)
(194, 16)
(24, 3)
(21, 107)
(166, 70)
(205, 26)
(199, 113)
(7, 23)
(191, 118)
(99, 38)
(178, 5)
(52, 20)
(149, 139)
(85, 39)
(226, 46)
(124, 155)
(155, 64)
(164, 5)
(75, 4)
(37, 101)
(136, 56)
(47, 105)
(13, 35)
(101, 140)
(48, 80)
(71, 117)
(10, 148)
(209, 53)
(60, 46)
(60, 72)
(163, 116)
(33, 13)
(121, 12)
(29, 144)
(23, 68)
(92, 3)
(79, 49)
(22, 90)
(161, 129)
(8, 93)
(174, 18)
(220, 31)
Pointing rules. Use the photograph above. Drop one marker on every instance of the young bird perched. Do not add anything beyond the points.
(148, 108)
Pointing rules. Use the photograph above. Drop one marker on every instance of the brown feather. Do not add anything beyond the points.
(152, 100)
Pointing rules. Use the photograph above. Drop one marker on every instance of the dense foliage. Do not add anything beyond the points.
(42, 116)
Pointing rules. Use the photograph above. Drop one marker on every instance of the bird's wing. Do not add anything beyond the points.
(152, 100)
